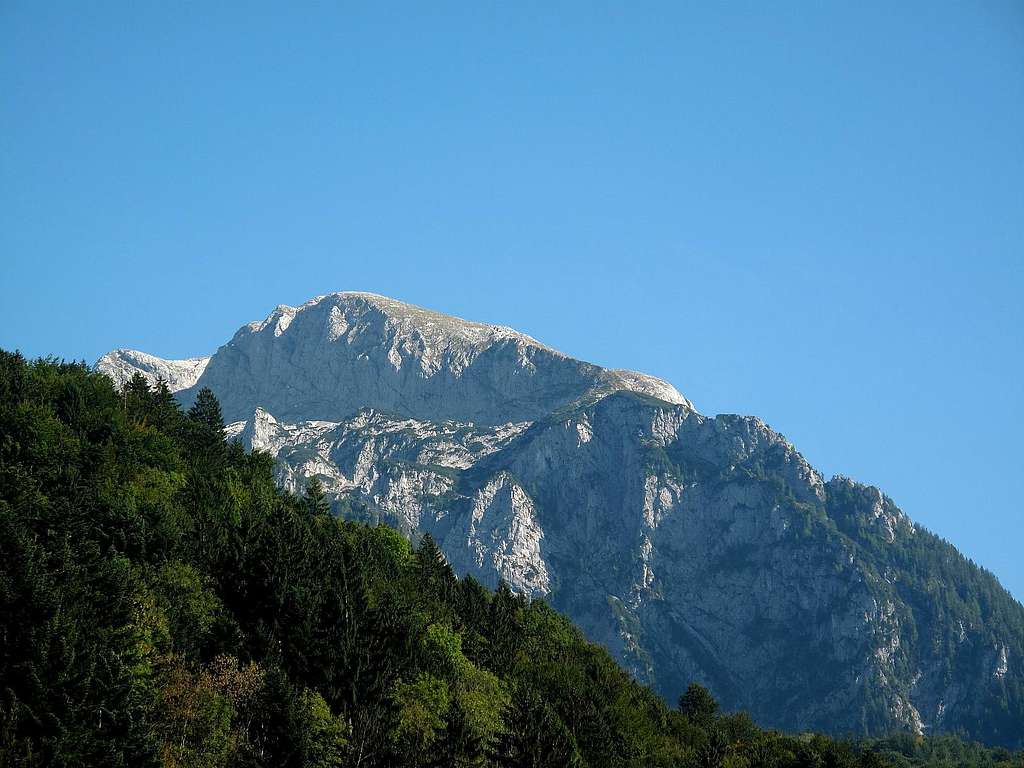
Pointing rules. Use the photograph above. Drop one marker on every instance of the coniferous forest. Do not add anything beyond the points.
(163, 603)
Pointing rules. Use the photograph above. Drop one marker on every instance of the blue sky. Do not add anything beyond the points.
(809, 212)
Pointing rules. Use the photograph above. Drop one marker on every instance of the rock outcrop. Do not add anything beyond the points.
(122, 364)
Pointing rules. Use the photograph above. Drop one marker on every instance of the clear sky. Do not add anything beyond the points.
(811, 212)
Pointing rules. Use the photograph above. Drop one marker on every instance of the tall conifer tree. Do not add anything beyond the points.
(316, 499)
(206, 424)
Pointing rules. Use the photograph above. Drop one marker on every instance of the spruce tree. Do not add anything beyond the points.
(206, 411)
(473, 602)
(504, 628)
(137, 397)
(165, 411)
(206, 424)
(437, 580)
(316, 499)
(137, 384)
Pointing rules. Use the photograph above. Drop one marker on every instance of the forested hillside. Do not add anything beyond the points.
(162, 602)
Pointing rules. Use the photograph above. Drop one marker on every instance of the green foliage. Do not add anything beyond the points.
(442, 651)
(163, 603)
(460, 745)
(316, 499)
(540, 739)
(324, 735)
(698, 705)
(422, 705)
(206, 426)
(190, 605)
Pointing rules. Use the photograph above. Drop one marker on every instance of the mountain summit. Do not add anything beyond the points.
(694, 548)
(340, 352)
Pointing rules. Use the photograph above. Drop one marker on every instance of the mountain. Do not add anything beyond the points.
(121, 364)
(693, 547)
(336, 354)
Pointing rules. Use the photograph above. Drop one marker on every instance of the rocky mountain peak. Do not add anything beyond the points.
(341, 352)
(122, 364)
(429, 339)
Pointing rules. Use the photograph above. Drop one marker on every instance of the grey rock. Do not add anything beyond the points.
(339, 353)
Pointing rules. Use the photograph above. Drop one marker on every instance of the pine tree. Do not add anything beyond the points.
(316, 499)
(137, 397)
(165, 411)
(206, 424)
(437, 580)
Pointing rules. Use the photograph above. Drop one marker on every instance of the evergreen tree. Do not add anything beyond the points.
(137, 399)
(534, 737)
(698, 705)
(504, 628)
(316, 499)
(436, 579)
(166, 413)
(473, 604)
(206, 424)
(205, 411)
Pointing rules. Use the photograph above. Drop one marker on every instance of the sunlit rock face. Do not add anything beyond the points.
(122, 364)
(694, 548)
(339, 353)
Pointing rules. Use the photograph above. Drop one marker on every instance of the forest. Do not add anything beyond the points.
(164, 603)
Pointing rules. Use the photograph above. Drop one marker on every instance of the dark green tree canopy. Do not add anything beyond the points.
(205, 411)
(206, 426)
(698, 705)
(316, 498)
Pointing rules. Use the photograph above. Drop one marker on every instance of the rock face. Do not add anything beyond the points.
(694, 548)
(121, 364)
(346, 351)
